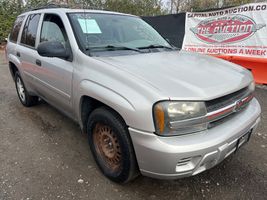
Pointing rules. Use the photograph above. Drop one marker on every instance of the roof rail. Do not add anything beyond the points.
(47, 6)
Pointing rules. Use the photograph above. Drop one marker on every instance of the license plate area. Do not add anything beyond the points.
(243, 139)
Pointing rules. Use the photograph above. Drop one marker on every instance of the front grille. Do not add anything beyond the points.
(227, 100)
(221, 121)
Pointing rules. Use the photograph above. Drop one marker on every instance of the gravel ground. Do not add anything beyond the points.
(43, 155)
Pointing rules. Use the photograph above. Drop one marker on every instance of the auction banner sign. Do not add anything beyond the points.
(236, 31)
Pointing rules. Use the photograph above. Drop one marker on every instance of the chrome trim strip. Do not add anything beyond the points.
(221, 110)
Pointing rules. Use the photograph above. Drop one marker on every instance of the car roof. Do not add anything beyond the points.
(69, 10)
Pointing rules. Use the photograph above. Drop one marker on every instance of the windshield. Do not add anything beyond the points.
(98, 32)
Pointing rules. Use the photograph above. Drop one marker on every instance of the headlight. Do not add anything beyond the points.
(178, 118)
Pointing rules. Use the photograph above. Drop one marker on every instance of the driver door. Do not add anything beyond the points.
(54, 75)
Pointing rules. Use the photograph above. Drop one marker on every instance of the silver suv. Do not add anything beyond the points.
(146, 106)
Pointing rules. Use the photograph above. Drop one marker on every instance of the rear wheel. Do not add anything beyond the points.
(111, 145)
(24, 97)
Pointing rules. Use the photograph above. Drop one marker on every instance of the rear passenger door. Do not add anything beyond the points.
(54, 75)
(12, 40)
(26, 50)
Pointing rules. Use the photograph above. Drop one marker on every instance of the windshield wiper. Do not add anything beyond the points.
(155, 46)
(112, 48)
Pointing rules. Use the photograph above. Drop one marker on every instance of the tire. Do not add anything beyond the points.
(111, 145)
(24, 97)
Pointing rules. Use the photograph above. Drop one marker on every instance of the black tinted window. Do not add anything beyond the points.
(15, 31)
(30, 30)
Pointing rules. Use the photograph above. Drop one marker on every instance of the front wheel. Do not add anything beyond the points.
(111, 145)
(24, 97)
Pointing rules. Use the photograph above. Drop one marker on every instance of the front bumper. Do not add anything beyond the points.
(182, 156)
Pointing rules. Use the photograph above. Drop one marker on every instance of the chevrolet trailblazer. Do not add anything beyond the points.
(147, 107)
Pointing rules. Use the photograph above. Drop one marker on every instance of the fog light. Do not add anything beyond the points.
(187, 164)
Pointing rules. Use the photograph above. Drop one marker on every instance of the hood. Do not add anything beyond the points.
(180, 75)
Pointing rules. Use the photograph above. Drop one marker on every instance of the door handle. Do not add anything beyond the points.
(38, 62)
(18, 54)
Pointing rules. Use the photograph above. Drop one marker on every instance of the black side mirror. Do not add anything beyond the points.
(53, 49)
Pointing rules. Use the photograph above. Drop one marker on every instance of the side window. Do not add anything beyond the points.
(53, 29)
(16, 27)
(30, 30)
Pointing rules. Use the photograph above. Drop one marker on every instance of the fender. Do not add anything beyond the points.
(127, 109)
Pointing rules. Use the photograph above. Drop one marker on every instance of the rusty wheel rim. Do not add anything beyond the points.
(107, 146)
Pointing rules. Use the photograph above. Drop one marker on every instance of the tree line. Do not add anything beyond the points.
(9, 9)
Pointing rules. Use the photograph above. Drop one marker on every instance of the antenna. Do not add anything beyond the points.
(85, 18)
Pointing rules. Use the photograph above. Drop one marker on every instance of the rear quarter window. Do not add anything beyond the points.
(30, 30)
(16, 28)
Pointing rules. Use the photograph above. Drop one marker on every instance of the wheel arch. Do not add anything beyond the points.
(88, 105)
(14, 64)
(13, 69)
